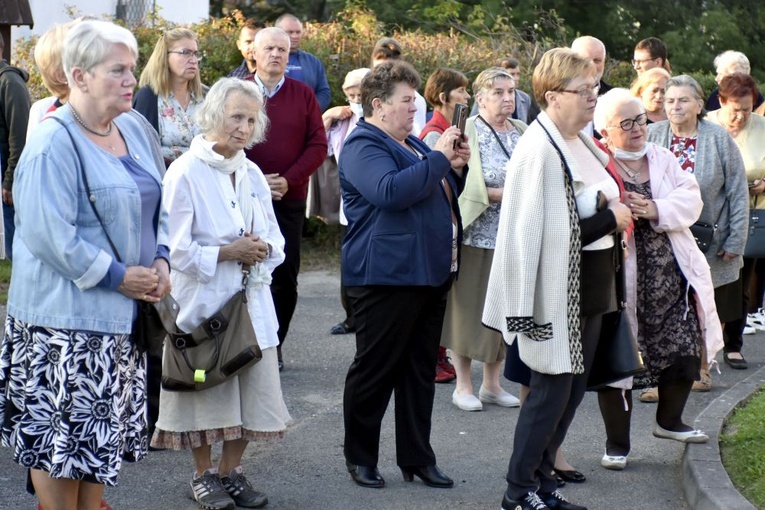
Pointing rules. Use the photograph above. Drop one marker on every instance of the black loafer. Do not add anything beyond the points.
(366, 476)
(560, 481)
(571, 475)
(735, 363)
(341, 329)
(430, 475)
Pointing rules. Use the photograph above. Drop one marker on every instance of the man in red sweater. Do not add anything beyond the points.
(295, 147)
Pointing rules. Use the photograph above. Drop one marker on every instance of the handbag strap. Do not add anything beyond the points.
(496, 136)
(91, 197)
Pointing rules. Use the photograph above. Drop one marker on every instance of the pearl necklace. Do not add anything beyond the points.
(88, 128)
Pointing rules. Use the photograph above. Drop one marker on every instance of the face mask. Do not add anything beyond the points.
(357, 109)
(630, 156)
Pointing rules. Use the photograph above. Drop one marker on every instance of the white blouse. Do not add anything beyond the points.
(205, 215)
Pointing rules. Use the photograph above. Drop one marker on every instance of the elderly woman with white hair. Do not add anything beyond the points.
(90, 245)
(669, 292)
(221, 219)
(727, 63)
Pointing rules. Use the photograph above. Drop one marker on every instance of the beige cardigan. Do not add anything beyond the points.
(474, 199)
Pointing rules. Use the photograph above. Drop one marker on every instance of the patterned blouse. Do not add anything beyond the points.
(177, 126)
(684, 149)
(482, 233)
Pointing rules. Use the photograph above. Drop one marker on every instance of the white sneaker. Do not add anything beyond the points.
(466, 402)
(749, 330)
(615, 462)
(756, 320)
(503, 399)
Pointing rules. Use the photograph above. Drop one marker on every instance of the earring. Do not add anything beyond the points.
(382, 117)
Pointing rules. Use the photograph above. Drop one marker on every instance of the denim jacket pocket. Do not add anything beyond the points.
(103, 198)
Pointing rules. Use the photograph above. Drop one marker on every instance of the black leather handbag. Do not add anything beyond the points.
(755, 243)
(617, 355)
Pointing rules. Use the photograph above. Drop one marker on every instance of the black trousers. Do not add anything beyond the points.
(544, 420)
(398, 330)
(345, 299)
(734, 330)
(290, 214)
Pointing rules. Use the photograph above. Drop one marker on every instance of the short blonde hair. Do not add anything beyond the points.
(648, 78)
(210, 114)
(48, 53)
(156, 74)
(557, 67)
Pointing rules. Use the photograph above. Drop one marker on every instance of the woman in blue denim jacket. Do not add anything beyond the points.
(72, 383)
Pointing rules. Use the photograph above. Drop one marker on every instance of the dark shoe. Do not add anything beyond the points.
(560, 481)
(529, 502)
(241, 491)
(430, 475)
(571, 475)
(341, 329)
(556, 501)
(209, 493)
(280, 364)
(366, 476)
(735, 363)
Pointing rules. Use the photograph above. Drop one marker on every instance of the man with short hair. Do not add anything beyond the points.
(303, 66)
(246, 71)
(295, 146)
(14, 116)
(594, 49)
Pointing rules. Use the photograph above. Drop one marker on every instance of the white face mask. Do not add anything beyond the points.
(630, 156)
(357, 109)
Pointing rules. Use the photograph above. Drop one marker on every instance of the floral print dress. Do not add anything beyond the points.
(669, 334)
(177, 126)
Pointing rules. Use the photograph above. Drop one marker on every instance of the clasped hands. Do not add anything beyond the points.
(148, 284)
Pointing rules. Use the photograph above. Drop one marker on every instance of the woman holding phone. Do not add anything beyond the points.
(492, 137)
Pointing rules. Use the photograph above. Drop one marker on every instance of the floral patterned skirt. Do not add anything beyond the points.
(72, 403)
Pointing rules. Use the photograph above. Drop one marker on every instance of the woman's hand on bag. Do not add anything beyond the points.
(140, 282)
(247, 250)
(758, 188)
(622, 214)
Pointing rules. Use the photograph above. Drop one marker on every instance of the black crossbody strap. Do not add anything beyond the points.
(499, 141)
(91, 197)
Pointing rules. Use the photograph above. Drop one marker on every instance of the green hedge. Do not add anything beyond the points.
(346, 44)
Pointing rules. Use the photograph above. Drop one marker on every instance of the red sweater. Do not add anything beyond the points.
(296, 143)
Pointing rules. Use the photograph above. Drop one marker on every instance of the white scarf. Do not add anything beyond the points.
(237, 165)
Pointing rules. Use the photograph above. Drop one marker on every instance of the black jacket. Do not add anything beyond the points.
(14, 116)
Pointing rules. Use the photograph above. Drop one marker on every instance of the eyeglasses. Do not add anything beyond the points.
(188, 54)
(637, 63)
(628, 124)
(584, 92)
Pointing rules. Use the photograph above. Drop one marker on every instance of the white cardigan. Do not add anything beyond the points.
(205, 215)
(529, 273)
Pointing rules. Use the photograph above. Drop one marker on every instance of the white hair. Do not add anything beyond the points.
(210, 114)
(732, 59)
(270, 31)
(609, 102)
(89, 43)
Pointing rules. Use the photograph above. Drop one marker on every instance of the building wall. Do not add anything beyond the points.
(48, 12)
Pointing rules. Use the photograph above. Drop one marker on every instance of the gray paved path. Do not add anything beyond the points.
(307, 471)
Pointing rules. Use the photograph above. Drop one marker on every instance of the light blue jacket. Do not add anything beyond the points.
(60, 250)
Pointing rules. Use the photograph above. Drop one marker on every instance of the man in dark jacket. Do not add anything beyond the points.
(14, 115)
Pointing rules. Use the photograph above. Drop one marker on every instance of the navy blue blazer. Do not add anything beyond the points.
(399, 216)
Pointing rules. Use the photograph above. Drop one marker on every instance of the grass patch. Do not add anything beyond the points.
(320, 250)
(5, 280)
(742, 447)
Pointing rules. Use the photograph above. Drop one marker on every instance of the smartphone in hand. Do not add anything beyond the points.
(459, 119)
